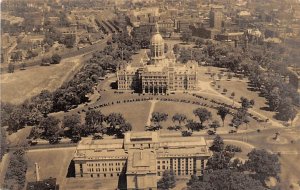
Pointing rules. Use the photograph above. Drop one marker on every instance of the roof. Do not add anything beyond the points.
(141, 161)
(140, 136)
(157, 39)
(107, 148)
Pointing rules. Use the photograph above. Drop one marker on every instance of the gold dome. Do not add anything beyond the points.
(157, 38)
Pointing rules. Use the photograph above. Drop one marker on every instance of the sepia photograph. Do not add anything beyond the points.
(150, 95)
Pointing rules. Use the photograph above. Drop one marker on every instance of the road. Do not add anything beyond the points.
(83, 51)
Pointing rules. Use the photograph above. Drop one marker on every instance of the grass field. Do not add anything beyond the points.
(135, 113)
(172, 108)
(21, 85)
(240, 88)
(52, 162)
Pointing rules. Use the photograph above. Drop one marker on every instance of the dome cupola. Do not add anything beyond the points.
(157, 46)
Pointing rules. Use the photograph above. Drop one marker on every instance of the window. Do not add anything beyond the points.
(111, 175)
(98, 175)
(163, 167)
(158, 167)
(104, 175)
(91, 175)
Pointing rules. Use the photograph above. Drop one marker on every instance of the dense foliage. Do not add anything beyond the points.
(225, 172)
(263, 65)
(16, 171)
(95, 123)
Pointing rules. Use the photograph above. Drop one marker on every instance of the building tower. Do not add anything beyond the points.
(216, 17)
(157, 47)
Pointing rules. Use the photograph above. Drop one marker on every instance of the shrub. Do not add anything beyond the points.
(233, 148)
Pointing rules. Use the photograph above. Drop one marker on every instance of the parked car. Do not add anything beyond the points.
(232, 131)
(211, 132)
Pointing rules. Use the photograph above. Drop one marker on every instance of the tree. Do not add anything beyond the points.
(179, 118)
(184, 55)
(15, 176)
(16, 56)
(17, 119)
(225, 179)
(94, 120)
(43, 102)
(3, 145)
(70, 41)
(222, 112)
(73, 124)
(200, 42)
(55, 59)
(240, 117)
(115, 119)
(246, 103)
(219, 160)
(263, 164)
(218, 144)
(176, 49)
(286, 110)
(122, 129)
(6, 110)
(186, 36)
(274, 99)
(11, 68)
(215, 124)
(203, 114)
(158, 117)
(193, 125)
(50, 126)
(23, 66)
(166, 48)
(167, 181)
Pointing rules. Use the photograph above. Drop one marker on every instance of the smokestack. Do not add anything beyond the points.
(37, 172)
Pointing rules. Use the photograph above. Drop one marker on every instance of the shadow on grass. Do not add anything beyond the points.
(71, 170)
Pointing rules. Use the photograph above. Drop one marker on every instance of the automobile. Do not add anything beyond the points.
(232, 131)
(210, 132)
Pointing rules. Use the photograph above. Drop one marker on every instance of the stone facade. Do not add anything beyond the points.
(159, 74)
(141, 157)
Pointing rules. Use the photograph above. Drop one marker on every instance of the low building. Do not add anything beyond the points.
(142, 157)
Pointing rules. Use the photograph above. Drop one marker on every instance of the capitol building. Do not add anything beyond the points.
(159, 74)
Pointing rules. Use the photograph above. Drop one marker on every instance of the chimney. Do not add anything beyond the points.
(37, 172)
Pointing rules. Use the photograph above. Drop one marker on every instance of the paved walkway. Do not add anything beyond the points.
(153, 102)
(206, 88)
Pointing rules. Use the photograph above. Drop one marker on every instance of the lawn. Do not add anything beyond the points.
(172, 108)
(21, 85)
(135, 113)
(241, 89)
(52, 162)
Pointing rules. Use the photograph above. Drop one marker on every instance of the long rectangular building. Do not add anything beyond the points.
(142, 157)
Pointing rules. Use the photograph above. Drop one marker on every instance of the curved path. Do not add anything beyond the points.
(212, 92)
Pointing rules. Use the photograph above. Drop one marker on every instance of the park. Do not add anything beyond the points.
(217, 87)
